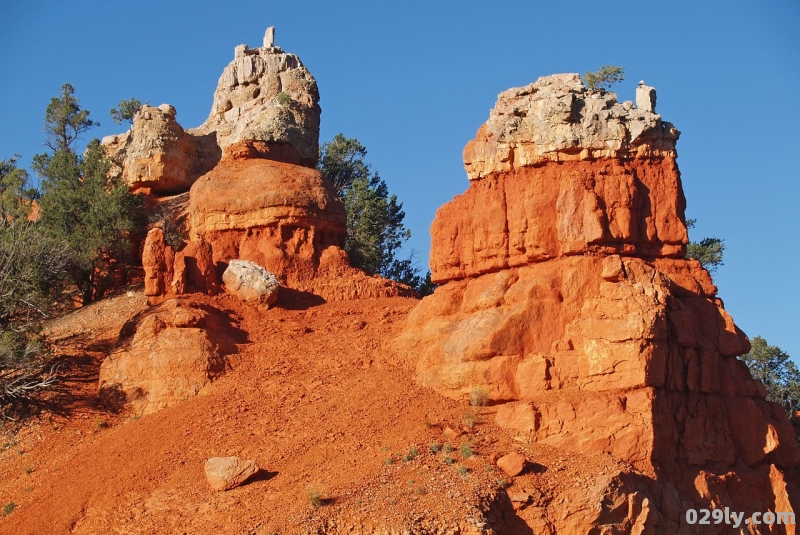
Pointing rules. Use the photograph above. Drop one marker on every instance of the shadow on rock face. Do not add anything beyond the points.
(168, 354)
(504, 519)
(291, 299)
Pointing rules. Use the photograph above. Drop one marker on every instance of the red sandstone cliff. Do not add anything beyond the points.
(566, 295)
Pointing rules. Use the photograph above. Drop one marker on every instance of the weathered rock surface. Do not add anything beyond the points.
(251, 283)
(277, 215)
(556, 119)
(565, 293)
(225, 473)
(158, 261)
(266, 95)
(266, 105)
(157, 156)
(616, 503)
(283, 217)
(177, 350)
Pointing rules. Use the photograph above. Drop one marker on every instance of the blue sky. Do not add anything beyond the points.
(413, 81)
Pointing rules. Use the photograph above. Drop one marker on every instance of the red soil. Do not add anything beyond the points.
(317, 396)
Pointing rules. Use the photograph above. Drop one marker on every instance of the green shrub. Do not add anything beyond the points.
(470, 418)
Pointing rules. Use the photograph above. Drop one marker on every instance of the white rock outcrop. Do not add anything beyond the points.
(266, 94)
(557, 118)
(157, 155)
(266, 105)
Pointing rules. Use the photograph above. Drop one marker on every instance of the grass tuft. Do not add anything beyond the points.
(479, 397)
(314, 495)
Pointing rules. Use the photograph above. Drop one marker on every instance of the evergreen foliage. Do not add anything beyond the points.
(31, 267)
(375, 230)
(65, 121)
(707, 251)
(779, 375)
(605, 77)
(15, 195)
(125, 110)
(342, 161)
(98, 219)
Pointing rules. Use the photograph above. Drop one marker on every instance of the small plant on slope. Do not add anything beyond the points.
(314, 496)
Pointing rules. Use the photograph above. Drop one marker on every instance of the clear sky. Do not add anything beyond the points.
(414, 80)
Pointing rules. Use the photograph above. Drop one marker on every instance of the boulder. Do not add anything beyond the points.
(177, 350)
(251, 283)
(225, 473)
(519, 497)
(512, 463)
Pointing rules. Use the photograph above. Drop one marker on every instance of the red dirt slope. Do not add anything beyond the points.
(316, 395)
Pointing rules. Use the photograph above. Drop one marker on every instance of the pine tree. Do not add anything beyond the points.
(98, 218)
(375, 229)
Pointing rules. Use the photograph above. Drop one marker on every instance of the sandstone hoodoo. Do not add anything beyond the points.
(565, 292)
(254, 194)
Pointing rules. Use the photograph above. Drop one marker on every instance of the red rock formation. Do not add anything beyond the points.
(278, 215)
(565, 294)
(263, 201)
(177, 350)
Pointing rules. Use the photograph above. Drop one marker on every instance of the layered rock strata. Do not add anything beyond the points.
(565, 293)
